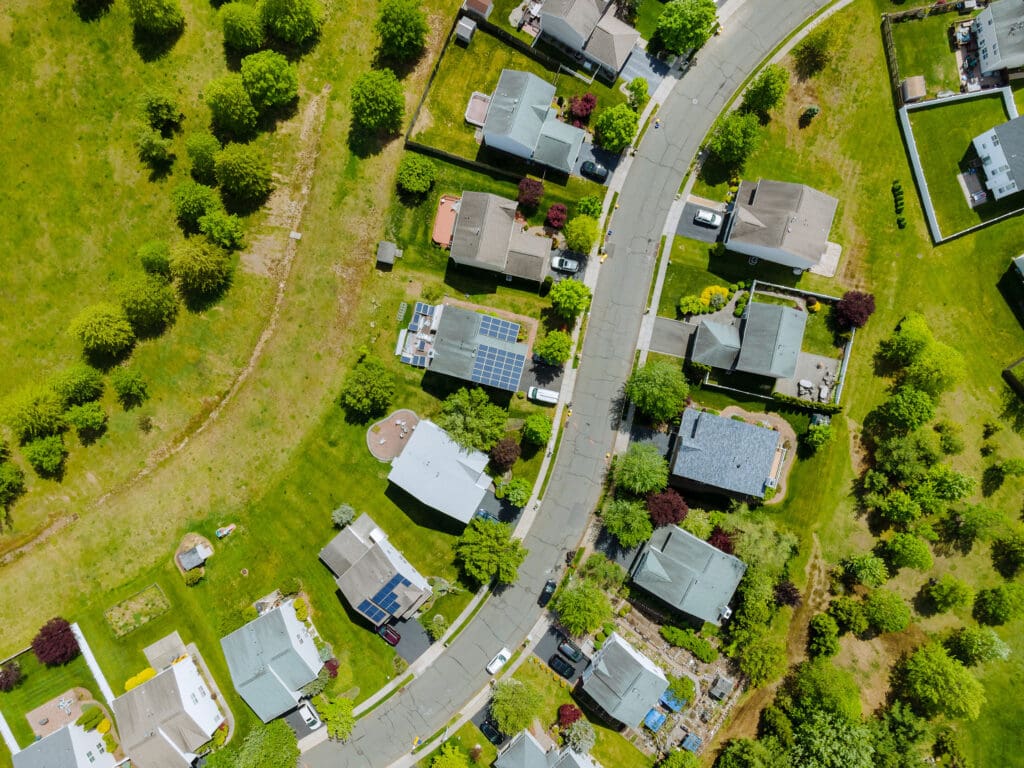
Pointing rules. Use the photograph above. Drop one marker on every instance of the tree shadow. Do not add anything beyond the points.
(364, 144)
(1012, 409)
(714, 172)
(90, 436)
(105, 362)
(1004, 559)
(152, 47)
(201, 302)
(270, 118)
(922, 601)
(401, 67)
(992, 479)
(91, 10)
(160, 171)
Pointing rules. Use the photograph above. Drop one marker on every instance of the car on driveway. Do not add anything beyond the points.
(562, 264)
(595, 171)
(389, 633)
(562, 667)
(545, 595)
(571, 651)
(309, 717)
(708, 218)
(491, 733)
(499, 661)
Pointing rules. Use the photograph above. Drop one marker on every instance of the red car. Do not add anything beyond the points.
(389, 633)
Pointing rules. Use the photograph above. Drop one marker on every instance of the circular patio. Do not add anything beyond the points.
(386, 438)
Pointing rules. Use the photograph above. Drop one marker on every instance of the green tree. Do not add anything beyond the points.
(487, 550)
(292, 21)
(580, 234)
(905, 550)
(641, 469)
(402, 29)
(129, 386)
(976, 645)
(378, 103)
(449, 756)
(590, 205)
(607, 574)
(762, 660)
(232, 112)
(156, 17)
(336, 714)
(582, 607)
(939, 368)
(680, 758)
(934, 683)
(516, 491)
(154, 257)
(161, 111)
(514, 704)
(1008, 552)
(867, 569)
(818, 436)
(638, 94)
(76, 384)
(998, 605)
(555, 348)
(200, 268)
(269, 79)
(886, 611)
(615, 127)
(103, 330)
(223, 229)
(898, 508)
(628, 522)
(202, 149)
(580, 736)
(735, 137)
(823, 637)
(154, 150)
(972, 523)
(149, 303)
(89, 420)
(907, 409)
(416, 174)
(537, 429)
(569, 298)
(471, 419)
(242, 26)
(767, 90)
(267, 746)
(815, 52)
(686, 24)
(948, 592)
(910, 339)
(46, 455)
(12, 483)
(829, 740)
(659, 390)
(243, 172)
(33, 411)
(682, 688)
(368, 388)
(192, 201)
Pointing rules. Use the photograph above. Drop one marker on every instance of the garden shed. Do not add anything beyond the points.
(913, 89)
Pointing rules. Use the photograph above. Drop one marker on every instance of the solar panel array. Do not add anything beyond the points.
(499, 329)
(422, 311)
(372, 612)
(499, 368)
(386, 598)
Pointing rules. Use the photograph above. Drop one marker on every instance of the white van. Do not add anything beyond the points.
(548, 396)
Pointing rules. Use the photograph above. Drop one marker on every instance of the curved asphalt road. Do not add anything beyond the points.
(424, 706)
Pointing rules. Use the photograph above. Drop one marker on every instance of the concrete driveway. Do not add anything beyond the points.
(688, 228)
(672, 337)
(609, 160)
(547, 647)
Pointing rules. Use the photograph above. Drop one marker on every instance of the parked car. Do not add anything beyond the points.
(595, 171)
(499, 661)
(545, 595)
(561, 666)
(562, 264)
(571, 651)
(491, 733)
(389, 633)
(708, 218)
(309, 717)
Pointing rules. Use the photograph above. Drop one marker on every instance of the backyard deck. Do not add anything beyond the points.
(444, 221)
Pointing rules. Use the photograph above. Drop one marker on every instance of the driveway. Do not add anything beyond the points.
(642, 64)
(547, 647)
(538, 374)
(688, 228)
(672, 337)
(609, 160)
(415, 640)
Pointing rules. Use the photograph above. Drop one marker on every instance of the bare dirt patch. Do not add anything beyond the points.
(140, 608)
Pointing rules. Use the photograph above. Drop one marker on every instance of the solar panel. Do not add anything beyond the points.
(388, 589)
(423, 309)
(497, 368)
(496, 328)
(407, 358)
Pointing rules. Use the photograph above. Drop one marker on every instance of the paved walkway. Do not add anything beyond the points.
(93, 665)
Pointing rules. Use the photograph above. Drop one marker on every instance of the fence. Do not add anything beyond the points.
(891, 60)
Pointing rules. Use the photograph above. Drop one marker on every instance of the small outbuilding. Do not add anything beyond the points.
(387, 252)
(479, 8)
(195, 557)
(721, 687)
(464, 30)
(913, 89)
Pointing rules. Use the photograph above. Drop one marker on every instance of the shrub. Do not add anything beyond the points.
(154, 150)
(243, 173)
(368, 388)
(823, 636)
(515, 491)
(638, 95)
(886, 611)
(537, 429)
(242, 26)
(504, 454)
(89, 420)
(641, 469)
(605, 573)
(343, 515)
(817, 436)
(721, 539)
(292, 21)
(715, 296)
(155, 258)
(786, 593)
(530, 192)
(46, 455)
(402, 29)
(589, 206)
(849, 615)
(557, 216)
(567, 715)
(223, 229)
(202, 149)
(269, 79)
(615, 127)
(156, 17)
(55, 643)
(867, 570)
(301, 609)
(77, 384)
(90, 718)
(33, 412)
(666, 508)
(103, 330)
(691, 641)
(149, 303)
(581, 107)
(230, 107)
(854, 309)
(129, 386)
(580, 736)
(437, 626)
(378, 102)
(193, 577)
(416, 174)
(161, 111)
(10, 676)
(200, 268)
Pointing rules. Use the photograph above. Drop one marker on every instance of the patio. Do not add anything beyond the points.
(385, 438)
(822, 372)
(444, 220)
(58, 711)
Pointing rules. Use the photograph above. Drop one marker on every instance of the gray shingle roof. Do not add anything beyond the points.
(266, 667)
(524, 751)
(440, 473)
(1007, 16)
(716, 344)
(688, 574)
(558, 144)
(725, 454)
(457, 340)
(1011, 137)
(792, 220)
(519, 106)
(487, 236)
(772, 337)
(623, 682)
(581, 15)
(58, 751)
(612, 41)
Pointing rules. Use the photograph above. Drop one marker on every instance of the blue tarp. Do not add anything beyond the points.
(655, 720)
(671, 701)
(691, 742)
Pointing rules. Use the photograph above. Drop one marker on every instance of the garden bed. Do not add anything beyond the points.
(140, 608)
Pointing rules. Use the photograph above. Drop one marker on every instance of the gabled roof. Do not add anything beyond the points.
(794, 220)
(375, 578)
(612, 41)
(465, 338)
(623, 682)
(581, 15)
(70, 747)
(688, 574)
(1006, 17)
(519, 106)
(558, 144)
(440, 473)
(723, 453)
(716, 344)
(1011, 138)
(524, 751)
(772, 337)
(270, 659)
(487, 236)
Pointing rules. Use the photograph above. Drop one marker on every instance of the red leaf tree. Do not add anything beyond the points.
(55, 644)
(580, 107)
(786, 593)
(854, 309)
(666, 508)
(721, 539)
(568, 714)
(530, 192)
(557, 215)
(10, 676)
(504, 454)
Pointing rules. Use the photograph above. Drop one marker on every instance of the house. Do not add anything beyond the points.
(766, 342)
(718, 454)
(589, 31)
(524, 751)
(164, 721)
(780, 222)
(1018, 265)
(689, 574)
(487, 236)
(374, 577)
(439, 472)
(270, 659)
(70, 747)
(1001, 151)
(522, 122)
(623, 682)
(999, 30)
(464, 344)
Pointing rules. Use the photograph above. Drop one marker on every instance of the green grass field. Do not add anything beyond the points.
(923, 48)
(647, 17)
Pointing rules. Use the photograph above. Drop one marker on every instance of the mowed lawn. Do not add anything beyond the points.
(477, 67)
(943, 134)
(923, 48)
